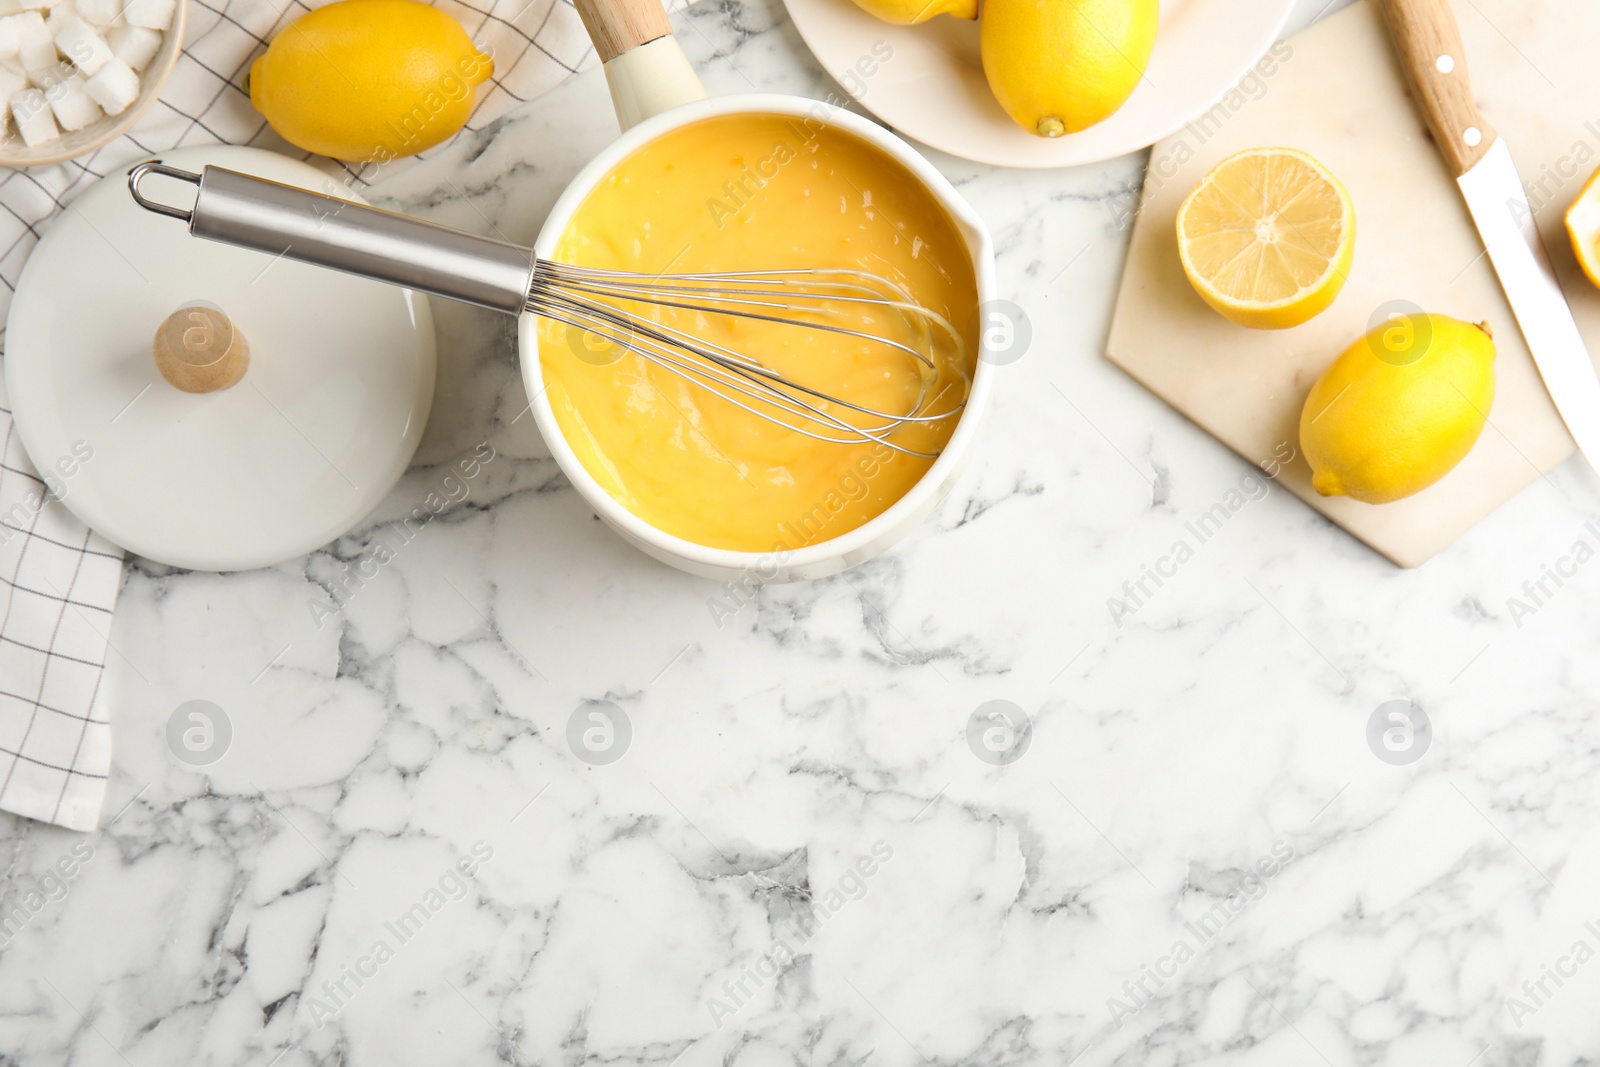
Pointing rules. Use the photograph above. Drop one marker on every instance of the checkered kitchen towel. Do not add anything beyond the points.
(58, 580)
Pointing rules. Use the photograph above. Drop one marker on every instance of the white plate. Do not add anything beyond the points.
(318, 431)
(931, 86)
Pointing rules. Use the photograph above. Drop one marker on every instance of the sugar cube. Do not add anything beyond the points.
(11, 83)
(35, 49)
(59, 16)
(100, 12)
(153, 14)
(10, 38)
(114, 86)
(34, 5)
(45, 77)
(80, 43)
(9, 7)
(73, 106)
(32, 112)
(134, 45)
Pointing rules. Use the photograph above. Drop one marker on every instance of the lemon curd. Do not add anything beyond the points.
(758, 192)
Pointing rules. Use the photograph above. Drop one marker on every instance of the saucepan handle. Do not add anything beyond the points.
(646, 70)
(284, 220)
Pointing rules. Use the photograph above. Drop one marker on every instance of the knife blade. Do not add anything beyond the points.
(1431, 50)
(1505, 221)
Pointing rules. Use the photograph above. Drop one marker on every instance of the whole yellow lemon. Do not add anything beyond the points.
(369, 80)
(1399, 409)
(1060, 66)
(911, 12)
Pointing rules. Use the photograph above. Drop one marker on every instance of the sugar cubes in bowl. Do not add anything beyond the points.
(77, 74)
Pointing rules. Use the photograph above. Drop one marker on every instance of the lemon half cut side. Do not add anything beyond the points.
(1268, 238)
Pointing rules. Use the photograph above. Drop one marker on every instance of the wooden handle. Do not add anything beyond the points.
(616, 26)
(1431, 51)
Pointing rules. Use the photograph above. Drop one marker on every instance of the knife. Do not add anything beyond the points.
(1429, 41)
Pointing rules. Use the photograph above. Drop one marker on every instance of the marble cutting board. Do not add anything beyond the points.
(1337, 91)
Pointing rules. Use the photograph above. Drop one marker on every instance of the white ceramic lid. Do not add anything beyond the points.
(320, 428)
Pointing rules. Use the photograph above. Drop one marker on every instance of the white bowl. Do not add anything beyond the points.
(152, 80)
(826, 557)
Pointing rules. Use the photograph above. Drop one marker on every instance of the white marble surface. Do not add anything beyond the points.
(693, 902)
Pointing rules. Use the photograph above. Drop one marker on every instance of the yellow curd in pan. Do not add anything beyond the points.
(758, 192)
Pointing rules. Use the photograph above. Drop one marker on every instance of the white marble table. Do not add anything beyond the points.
(798, 859)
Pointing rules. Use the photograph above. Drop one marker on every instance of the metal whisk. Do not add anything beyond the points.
(628, 310)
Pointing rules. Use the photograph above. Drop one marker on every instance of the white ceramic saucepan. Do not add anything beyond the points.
(655, 91)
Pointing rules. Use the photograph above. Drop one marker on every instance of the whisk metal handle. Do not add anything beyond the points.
(284, 220)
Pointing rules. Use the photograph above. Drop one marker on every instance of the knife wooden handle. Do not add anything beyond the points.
(1429, 40)
(617, 26)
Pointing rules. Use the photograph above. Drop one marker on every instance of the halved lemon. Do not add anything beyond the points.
(1268, 238)
(1583, 224)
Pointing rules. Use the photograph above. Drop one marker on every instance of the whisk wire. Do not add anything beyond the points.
(648, 294)
(586, 298)
(736, 375)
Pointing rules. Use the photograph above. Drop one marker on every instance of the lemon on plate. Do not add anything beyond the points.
(1399, 409)
(1268, 237)
(369, 79)
(1061, 66)
(911, 12)
(1583, 226)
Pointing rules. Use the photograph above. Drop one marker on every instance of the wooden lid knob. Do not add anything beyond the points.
(199, 350)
